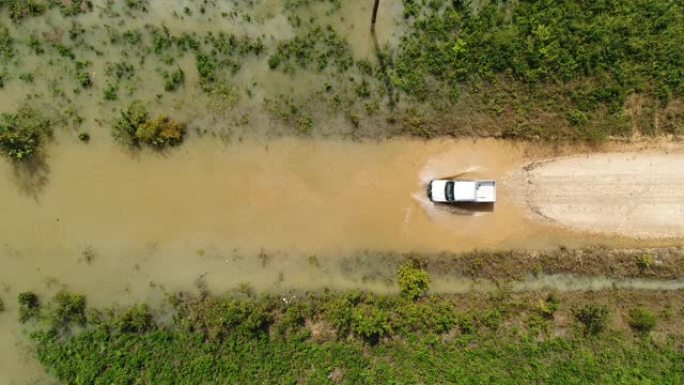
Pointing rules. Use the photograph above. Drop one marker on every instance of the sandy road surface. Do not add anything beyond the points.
(630, 194)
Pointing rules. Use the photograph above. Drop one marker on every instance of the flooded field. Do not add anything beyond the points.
(288, 170)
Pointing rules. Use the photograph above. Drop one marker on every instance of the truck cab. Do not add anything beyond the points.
(454, 191)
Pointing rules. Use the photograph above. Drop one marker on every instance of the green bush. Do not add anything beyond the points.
(110, 92)
(29, 306)
(136, 319)
(21, 134)
(413, 282)
(316, 49)
(644, 261)
(19, 9)
(370, 323)
(2, 305)
(134, 128)
(594, 318)
(173, 80)
(642, 320)
(132, 117)
(67, 308)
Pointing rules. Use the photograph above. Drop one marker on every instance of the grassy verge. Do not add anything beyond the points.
(350, 338)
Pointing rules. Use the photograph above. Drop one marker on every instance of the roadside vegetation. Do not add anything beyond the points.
(357, 337)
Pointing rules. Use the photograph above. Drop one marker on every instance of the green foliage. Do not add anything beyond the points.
(223, 57)
(137, 319)
(29, 306)
(644, 261)
(642, 320)
(548, 307)
(173, 80)
(291, 114)
(2, 305)
(110, 92)
(370, 323)
(570, 60)
(138, 5)
(84, 137)
(226, 341)
(316, 49)
(26, 77)
(594, 318)
(134, 128)
(21, 134)
(160, 132)
(466, 324)
(19, 9)
(72, 7)
(67, 308)
(6, 44)
(125, 128)
(413, 281)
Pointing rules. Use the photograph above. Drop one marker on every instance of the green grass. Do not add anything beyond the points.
(356, 338)
(263, 340)
(544, 68)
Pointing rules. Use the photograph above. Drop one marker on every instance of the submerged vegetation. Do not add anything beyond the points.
(22, 133)
(134, 128)
(356, 337)
(535, 69)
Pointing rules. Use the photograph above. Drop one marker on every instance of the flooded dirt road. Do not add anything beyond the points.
(276, 215)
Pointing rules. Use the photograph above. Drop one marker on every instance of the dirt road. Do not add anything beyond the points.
(628, 194)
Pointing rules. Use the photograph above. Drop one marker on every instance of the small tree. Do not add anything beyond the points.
(594, 318)
(642, 320)
(29, 306)
(413, 281)
(68, 308)
(370, 323)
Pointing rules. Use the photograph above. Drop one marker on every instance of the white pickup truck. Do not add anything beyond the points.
(447, 191)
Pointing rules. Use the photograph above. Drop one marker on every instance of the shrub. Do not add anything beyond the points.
(29, 306)
(173, 80)
(73, 7)
(67, 308)
(161, 132)
(548, 307)
(133, 128)
(594, 318)
(644, 261)
(19, 9)
(2, 305)
(110, 92)
(339, 312)
(125, 128)
(466, 324)
(20, 133)
(413, 282)
(316, 49)
(137, 319)
(370, 323)
(642, 320)
(84, 137)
